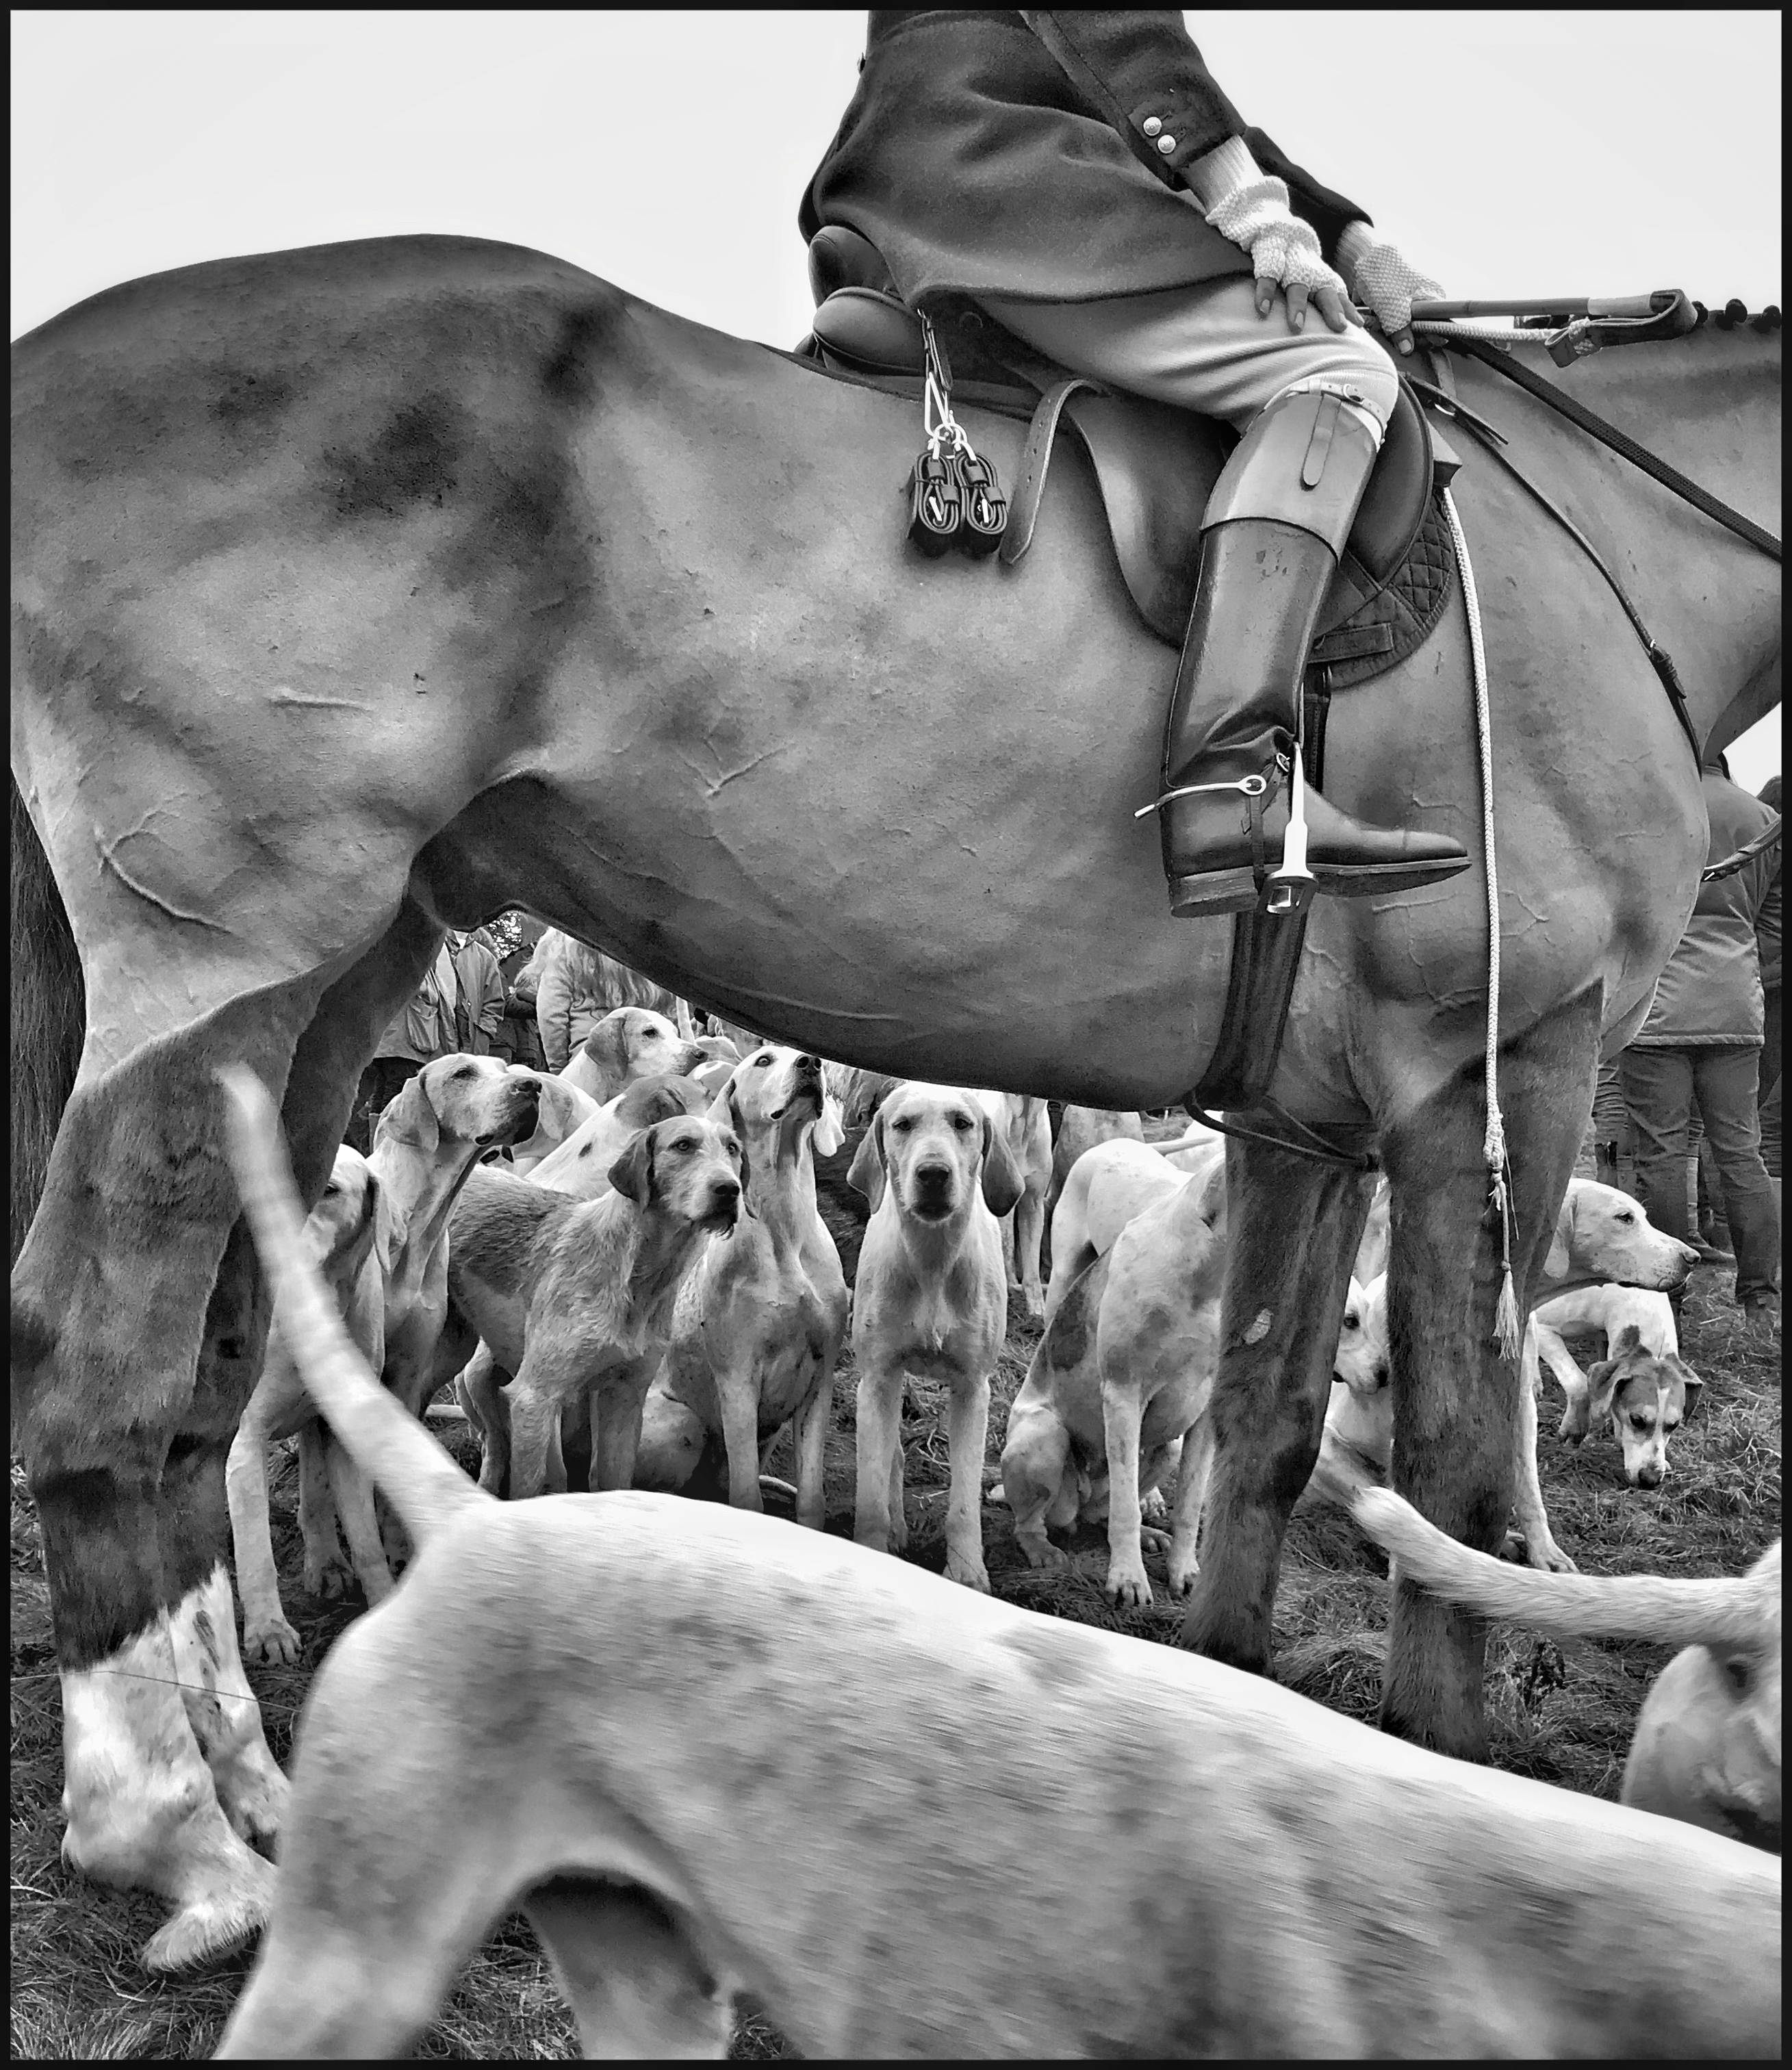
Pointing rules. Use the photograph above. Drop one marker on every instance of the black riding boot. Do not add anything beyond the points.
(1277, 522)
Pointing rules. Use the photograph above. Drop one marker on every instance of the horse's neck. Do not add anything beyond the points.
(1708, 405)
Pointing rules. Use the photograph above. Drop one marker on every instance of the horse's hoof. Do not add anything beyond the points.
(215, 1923)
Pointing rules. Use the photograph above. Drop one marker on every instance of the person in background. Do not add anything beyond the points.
(1767, 940)
(512, 937)
(1703, 1038)
(478, 991)
(570, 995)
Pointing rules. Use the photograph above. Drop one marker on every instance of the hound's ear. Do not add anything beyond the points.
(562, 1109)
(1002, 1183)
(607, 1046)
(1602, 1385)
(412, 1117)
(721, 1109)
(632, 1173)
(351, 1253)
(1555, 1266)
(1695, 1387)
(830, 1132)
(866, 1176)
(1628, 1340)
(738, 1126)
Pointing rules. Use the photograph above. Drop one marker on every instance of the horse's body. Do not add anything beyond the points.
(367, 589)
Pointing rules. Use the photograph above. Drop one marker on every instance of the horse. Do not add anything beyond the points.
(365, 589)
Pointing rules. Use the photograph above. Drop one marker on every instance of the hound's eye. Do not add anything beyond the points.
(1352, 1321)
(962, 1123)
(1643, 1422)
(1626, 1220)
(902, 1127)
(1672, 1423)
(465, 1071)
(760, 1063)
(1739, 1672)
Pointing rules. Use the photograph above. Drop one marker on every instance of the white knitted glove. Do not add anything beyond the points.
(1283, 248)
(1383, 279)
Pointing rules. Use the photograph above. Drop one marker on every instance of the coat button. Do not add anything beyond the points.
(1150, 125)
(1166, 144)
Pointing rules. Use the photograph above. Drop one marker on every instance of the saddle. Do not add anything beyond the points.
(1155, 465)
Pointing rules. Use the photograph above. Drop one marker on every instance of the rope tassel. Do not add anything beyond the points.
(1508, 1327)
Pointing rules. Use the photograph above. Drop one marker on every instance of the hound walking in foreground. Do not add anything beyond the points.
(705, 1751)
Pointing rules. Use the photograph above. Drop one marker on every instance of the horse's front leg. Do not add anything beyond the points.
(1294, 1226)
(1455, 1398)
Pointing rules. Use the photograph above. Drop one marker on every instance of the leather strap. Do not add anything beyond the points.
(1036, 457)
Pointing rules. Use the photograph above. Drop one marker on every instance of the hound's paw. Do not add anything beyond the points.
(1042, 1552)
(1153, 1507)
(1547, 1555)
(1126, 1586)
(269, 1642)
(968, 1573)
(326, 1574)
(1571, 1431)
(1182, 1575)
(1150, 1539)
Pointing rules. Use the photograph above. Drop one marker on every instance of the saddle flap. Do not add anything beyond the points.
(1156, 466)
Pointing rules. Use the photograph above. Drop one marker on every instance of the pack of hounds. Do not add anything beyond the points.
(622, 1271)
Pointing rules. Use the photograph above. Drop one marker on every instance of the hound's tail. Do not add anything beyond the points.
(418, 1479)
(1742, 1610)
(49, 1016)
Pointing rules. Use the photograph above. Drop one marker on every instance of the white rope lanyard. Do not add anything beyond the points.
(1507, 1326)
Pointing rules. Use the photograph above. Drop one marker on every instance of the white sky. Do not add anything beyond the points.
(1587, 153)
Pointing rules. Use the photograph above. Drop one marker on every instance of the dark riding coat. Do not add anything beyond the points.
(1025, 155)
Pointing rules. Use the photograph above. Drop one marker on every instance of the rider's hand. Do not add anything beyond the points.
(1284, 253)
(1388, 283)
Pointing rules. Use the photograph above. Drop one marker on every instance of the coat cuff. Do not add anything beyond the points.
(1221, 172)
(1354, 241)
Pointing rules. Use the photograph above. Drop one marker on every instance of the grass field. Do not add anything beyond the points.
(1562, 1713)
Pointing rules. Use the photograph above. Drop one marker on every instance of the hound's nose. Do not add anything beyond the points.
(933, 1179)
(809, 1064)
(1381, 1373)
(1648, 1477)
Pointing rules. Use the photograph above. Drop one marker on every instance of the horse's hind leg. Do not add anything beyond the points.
(637, 1987)
(1294, 1224)
(1456, 1399)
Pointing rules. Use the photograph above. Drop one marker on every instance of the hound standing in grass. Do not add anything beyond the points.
(930, 1298)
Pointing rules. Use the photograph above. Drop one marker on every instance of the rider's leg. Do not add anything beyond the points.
(1312, 406)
